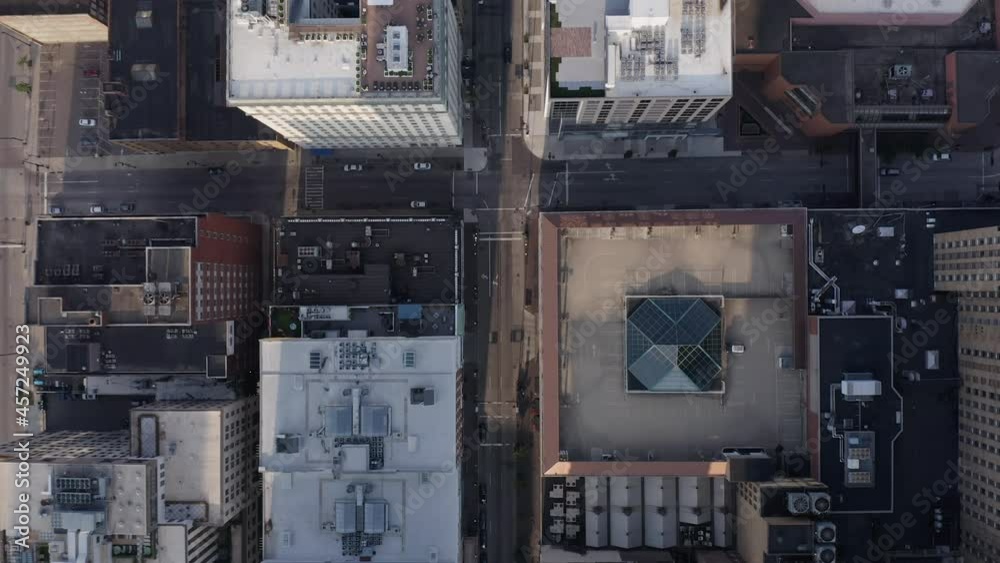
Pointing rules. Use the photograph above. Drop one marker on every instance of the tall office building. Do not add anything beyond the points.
(368, 74)
(184, 480)
(209, 449)
(360, 449)
(658, 67)
(968, 262)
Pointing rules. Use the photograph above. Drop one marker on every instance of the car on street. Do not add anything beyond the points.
(417, 204)
(422, 166)
(127, 207)
(88, 122)
(91, 73)
(507, 53)
(55, 210)
(216, 171)
(737, 348)
(941, 156)
(97, 209)
(353, 168)
(889, 171)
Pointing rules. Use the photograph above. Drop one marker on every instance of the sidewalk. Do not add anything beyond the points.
(577, 147)
(200, 159)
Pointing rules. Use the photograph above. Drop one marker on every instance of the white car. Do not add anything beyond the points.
(353, 168)
(97, 209)
(418, 204)
(941, 156)
(421, 165)
(85, 122)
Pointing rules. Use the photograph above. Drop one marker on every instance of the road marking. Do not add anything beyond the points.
(77, 181)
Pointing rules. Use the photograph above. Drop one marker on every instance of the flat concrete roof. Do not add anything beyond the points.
(190, 442)
(50, 29)
(327, 51)
(408, 461)
(591, 261)
(607, 46)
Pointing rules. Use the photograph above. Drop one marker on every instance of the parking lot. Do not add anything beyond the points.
(69, 118)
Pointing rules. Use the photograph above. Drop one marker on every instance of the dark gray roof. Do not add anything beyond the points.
(148, 110)
(977, 77)
(829, 75)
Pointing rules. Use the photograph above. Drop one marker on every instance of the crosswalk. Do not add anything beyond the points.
(314, 187)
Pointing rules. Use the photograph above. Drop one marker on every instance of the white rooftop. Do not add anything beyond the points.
(359, 450)
(266, 64)
(903, 7)
(669, 48)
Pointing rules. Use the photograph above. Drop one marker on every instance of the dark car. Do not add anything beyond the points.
(216, 171)
(507, 53)
(127, 207)
(91, 73)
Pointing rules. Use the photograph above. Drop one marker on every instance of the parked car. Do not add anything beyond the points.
(216, 171)
(941, 156)
(127, 207)
(353, 168)
(507, 56)
(889, 171)
(421, 165)
(97, 209)
(91, 73)
(55, 210)
(88, 122)
(737, 348)
(417, 204)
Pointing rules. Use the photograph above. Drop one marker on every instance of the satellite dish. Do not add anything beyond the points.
(858, 229)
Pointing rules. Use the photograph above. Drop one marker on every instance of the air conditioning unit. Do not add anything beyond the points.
(798, 503)
(826, 532)
(819, 503)
(826, 554)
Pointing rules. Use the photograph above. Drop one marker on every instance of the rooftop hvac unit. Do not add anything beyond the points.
(798, 503)
(826, 532)
(826, 554)
(819, 503)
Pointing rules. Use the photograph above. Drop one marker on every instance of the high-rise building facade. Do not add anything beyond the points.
(368, 74)
(968, 263)
(653, 67)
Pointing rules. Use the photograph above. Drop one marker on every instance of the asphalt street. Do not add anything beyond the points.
(170, 190)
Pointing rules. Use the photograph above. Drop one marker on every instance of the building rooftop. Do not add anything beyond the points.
(202, 349)
(977, 76)
(879, 259)
(188, 435)
(145, 33)
(369, 260)
(309, 49)
(858, 462)
(392, 320)
(866, 78)
(53, 28)
(351, 431)
(627, 48)
(746, 259)
(77, 468)
(112, 271)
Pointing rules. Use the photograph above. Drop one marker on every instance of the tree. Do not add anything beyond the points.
(23, 87)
